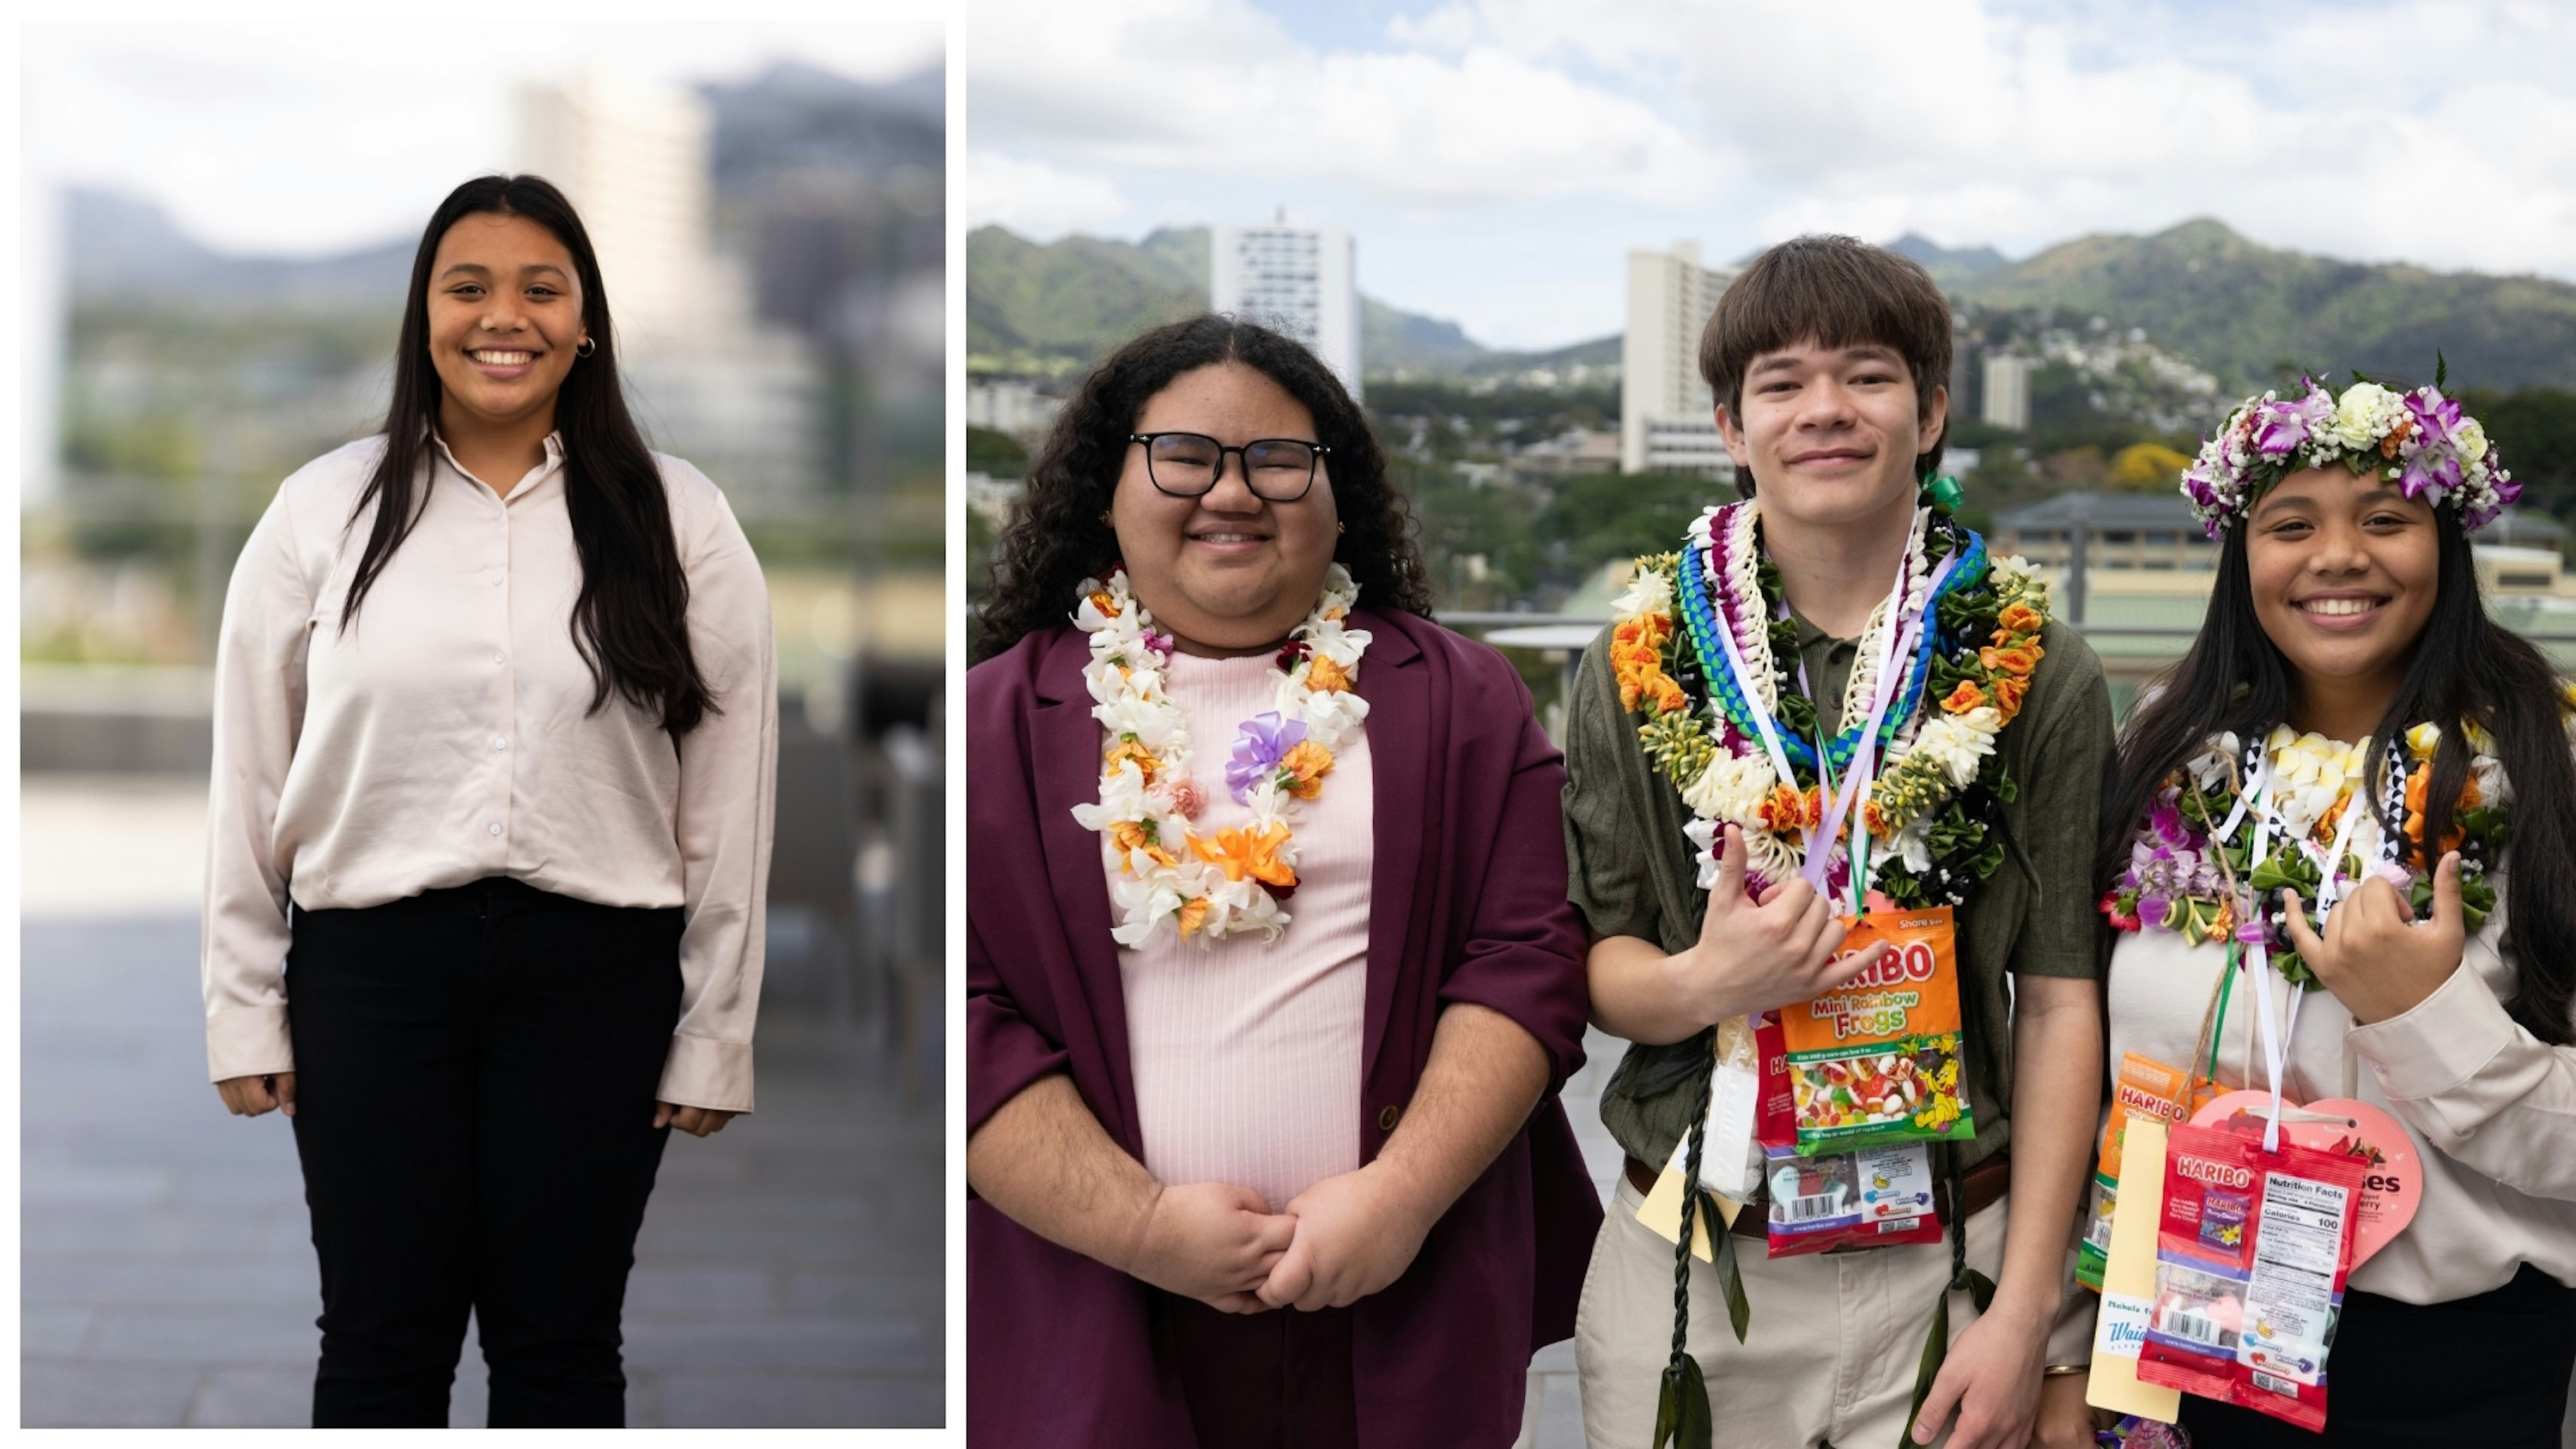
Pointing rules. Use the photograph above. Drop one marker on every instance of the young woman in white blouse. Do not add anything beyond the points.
(495, 747)
(2349, 686)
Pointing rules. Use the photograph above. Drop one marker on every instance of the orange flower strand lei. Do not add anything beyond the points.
(1170, 878)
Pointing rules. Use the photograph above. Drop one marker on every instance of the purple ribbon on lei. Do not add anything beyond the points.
(1264, 740)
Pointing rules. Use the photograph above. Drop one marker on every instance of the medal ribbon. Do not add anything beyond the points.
(1865, 760)
(2278, 1025)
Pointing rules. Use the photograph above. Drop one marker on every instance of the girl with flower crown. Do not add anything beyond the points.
(2339, 855)
(1271, 977)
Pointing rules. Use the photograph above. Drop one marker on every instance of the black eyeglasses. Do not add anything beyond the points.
(1186, 465)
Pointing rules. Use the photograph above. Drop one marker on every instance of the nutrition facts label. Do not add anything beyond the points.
(2289, 1301)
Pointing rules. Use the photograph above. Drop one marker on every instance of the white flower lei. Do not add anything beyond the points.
(1934, 754)
(1732, 788)
(1165, 881)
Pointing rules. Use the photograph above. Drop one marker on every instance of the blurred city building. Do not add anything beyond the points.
(1011, 405)
(1665, 412)
(1296, 275)
(1571, 453)
(632, 154)
(735, 395)
(1684, 445)
(2007, 391)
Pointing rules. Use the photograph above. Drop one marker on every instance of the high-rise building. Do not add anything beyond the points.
(44, 301)
(634, 157)
(2007, 391)
(1297, 276)
(706, 377)
(1665, 412)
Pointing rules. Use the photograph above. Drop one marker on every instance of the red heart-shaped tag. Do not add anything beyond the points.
(2395, 1185)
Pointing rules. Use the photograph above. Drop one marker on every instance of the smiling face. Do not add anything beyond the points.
(505, 313)
(2344, 570)
(1227, 572)
(1830, 434)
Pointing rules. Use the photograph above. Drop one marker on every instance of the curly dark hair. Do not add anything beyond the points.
(1057, 536)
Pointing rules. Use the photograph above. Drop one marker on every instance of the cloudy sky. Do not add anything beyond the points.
(1497, 158)
(294, 130)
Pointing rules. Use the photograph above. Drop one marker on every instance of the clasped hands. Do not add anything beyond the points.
(1337, 1242)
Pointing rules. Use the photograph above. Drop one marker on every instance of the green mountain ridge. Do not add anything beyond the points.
(2245, 310)
(1071, 300)
(2240, 309)
(1062, 305)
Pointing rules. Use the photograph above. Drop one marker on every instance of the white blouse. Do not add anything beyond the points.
(2490, 1107)
(447, 736)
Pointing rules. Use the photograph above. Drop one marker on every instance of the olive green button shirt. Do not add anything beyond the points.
(1632, 872)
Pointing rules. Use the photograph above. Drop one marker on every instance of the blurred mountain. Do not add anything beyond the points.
(795, 142)
(2247, 311)
(1952, 269)
(123, 249)
(1392, 340)
(794, 117)
(833, 189)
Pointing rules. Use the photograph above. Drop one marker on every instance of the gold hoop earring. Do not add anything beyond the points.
(1341, 528)
(585, 347)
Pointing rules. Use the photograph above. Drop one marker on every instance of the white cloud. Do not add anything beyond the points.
(2436, 132)
(1217, 86)
(301, 131)
(1034, 199)
(2440, 133)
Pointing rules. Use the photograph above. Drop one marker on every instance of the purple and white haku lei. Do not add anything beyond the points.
(2421, 441)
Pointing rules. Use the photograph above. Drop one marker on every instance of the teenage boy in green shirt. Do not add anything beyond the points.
(1826, 358)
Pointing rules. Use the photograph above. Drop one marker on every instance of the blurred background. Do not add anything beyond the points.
(1505, 222)
(218, 223)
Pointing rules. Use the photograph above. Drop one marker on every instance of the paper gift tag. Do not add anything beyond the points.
(2129, 1284)
(1661, 1212)
(2395, 1184)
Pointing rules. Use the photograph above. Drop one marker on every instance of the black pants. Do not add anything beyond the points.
(2489, 1372)
(475, 1077)
(1275, 1380)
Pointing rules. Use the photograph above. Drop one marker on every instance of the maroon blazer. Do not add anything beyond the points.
(1467, 904)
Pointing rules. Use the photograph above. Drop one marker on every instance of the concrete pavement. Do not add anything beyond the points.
(789, 1272)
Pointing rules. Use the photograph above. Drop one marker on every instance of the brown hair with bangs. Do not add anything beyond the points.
(1833, 291)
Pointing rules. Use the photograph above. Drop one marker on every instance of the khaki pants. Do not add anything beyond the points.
(1829, 1358)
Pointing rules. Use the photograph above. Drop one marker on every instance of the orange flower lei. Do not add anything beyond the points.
(1205, 888)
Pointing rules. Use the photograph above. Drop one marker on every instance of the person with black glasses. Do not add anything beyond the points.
(1271, 977)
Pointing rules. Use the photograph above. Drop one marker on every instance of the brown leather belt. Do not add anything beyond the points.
(1983, 1185)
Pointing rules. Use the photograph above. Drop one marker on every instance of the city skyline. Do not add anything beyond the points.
(1488, 149)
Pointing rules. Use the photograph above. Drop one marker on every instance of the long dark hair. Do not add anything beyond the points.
(2466, 668)
(1058, 535)
(630, 622)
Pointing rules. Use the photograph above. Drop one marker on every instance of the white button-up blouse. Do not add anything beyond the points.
(447, 736)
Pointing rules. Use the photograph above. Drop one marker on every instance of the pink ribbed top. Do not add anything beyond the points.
(1246, 1054)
